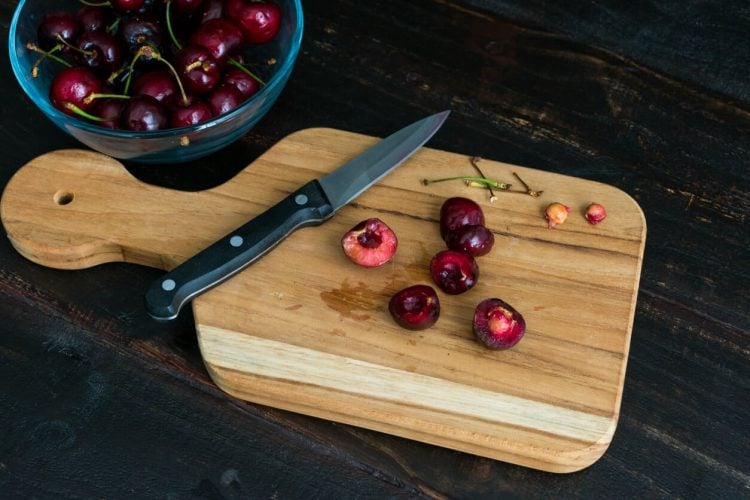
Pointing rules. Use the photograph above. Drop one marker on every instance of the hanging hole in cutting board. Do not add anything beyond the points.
(63, 197)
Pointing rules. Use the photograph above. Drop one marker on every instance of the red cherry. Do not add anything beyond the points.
(56, 25)
(497, 325)
(454, 272)
(220, 37)
(144, 113)
(93, 18)
(245, 83)
(186, 5)
(192, 114)
(259, 21)
(415, 308)
(457, 212)
(224, 99)
(370, 243)
(99, 50)
(126, 5)
(158, 84)
(212, 9)
(72, 88)
(198, 69)
(110, 110)
(473, 239)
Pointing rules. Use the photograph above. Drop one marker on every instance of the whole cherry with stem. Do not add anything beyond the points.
(217, 35)
(74, 91)
(152, 53)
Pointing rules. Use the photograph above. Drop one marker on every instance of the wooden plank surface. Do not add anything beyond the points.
(303, 329)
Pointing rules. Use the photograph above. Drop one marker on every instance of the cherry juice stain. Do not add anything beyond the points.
(353, 301)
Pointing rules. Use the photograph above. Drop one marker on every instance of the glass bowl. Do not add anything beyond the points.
(163, 146)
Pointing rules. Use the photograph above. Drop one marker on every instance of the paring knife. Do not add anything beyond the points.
(310, 205)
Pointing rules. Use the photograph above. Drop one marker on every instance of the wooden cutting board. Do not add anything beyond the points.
(306, 330)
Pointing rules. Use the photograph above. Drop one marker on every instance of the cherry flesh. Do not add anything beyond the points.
(474, 240)
(497, 325)
(416, 307)
(259, 21)
(370, 243)
(457, 212)
(454, 272)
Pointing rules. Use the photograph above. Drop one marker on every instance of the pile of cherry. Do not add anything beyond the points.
(153, 64)
(496, 324)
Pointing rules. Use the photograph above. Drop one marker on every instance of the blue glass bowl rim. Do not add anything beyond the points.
(271, 87)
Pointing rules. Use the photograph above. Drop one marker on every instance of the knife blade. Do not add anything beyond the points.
(310, 205)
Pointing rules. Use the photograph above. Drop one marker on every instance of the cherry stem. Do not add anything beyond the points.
(185, 99)
(45, 54)
(89, 53)
(112, 28)
(468, 179)
(529, 191)
(147, 50)
(475, 163)
(75, 109)
(95, 95)
(95, 4)
(169, 26)
(234, 62)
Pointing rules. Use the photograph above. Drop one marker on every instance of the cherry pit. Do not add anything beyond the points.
(154, 64)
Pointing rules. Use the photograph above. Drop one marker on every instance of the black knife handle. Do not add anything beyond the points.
(308, 206)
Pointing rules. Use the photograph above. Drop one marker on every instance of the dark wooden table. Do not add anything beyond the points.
(97, 400)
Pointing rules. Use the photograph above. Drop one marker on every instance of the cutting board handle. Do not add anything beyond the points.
(72, 209)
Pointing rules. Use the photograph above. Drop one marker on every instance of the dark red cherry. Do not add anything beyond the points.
(457, 212)
(454, 272)
(99, 50)
(183, 6)
(220, 37)
(474, 239)
(212, 9)
(198, 69)
(245, 83)
(94, 18)
(57, 25)
(259, 21)
(224, 99)
(497, 325)
(144, 113)
(73, 87)
(191, 114)
(110, 110)
(415, 308)
(141, 29)
(159, 84)
(126, 5)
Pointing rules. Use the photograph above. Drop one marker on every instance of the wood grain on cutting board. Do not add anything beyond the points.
(306, 330)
